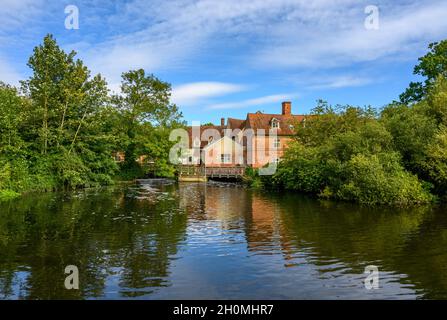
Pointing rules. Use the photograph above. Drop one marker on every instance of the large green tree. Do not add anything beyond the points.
(146, 116)
(419, 133)
(63, 117)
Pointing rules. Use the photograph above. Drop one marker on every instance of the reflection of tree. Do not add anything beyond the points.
(426, 256)
(131, 240)
(408, 241)
(100, 233)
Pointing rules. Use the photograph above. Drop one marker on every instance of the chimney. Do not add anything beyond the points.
(287, 108)
(222, 122)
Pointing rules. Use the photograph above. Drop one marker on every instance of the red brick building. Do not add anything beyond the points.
(255, 141)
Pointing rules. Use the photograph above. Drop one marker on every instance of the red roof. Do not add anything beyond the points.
(257, 121)
(287, 122)
(235, 123)
(220, 129)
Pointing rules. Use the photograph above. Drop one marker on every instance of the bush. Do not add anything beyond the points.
(252, 178)
(8, 195)
(380, 179)
(355, 163)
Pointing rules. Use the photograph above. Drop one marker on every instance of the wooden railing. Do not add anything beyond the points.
(225, 172)
(213, 172)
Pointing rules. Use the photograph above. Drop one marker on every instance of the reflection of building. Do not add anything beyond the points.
(208, 202)
(256, 141)
(233, 208)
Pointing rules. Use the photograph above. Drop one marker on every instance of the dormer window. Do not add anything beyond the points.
(275, 123)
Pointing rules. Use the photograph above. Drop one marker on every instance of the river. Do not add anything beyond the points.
(164, 240)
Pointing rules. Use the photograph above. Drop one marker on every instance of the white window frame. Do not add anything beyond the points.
(277, 143)
(275, 123)
(225, 158)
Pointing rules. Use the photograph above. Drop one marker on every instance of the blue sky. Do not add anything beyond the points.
(225, 58)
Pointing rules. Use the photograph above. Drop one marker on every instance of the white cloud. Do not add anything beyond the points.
(16, 13)
(253, 102)
(402, 29)
(279, 35)
(192, 93)
(340, 82)
(169, 34)
(269, 33)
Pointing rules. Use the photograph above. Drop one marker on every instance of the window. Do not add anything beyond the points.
(233, 138)
(225, 158)
(190, 159)
(275, 123)
(277, 143)
(210, 140)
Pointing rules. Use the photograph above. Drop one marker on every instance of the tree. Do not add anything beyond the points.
(11, 117)
(63, 118)
(430, 66)
(346, 153)
(419, 135)
(144, 106)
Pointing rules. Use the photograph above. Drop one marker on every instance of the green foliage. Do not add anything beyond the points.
(300, 170)
(347, 155)
(61, 130)
(379, 179)
(8, 195)
(431, 66)
(397, 157)
(419, 134)
(145, 118)
(252, 178)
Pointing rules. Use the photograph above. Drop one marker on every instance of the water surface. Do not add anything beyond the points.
(164, 240)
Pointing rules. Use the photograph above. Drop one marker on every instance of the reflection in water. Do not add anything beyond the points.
(194, 240)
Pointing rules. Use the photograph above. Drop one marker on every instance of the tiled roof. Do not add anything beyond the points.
(256, 121)
(287, 123)
(220, 129)
(235, 123)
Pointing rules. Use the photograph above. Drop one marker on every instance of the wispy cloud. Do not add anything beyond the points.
(341, 39)
(281, 33)
(252, 102)
(14, 13)
(192, 93)
(340, 82)
(252, 42)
